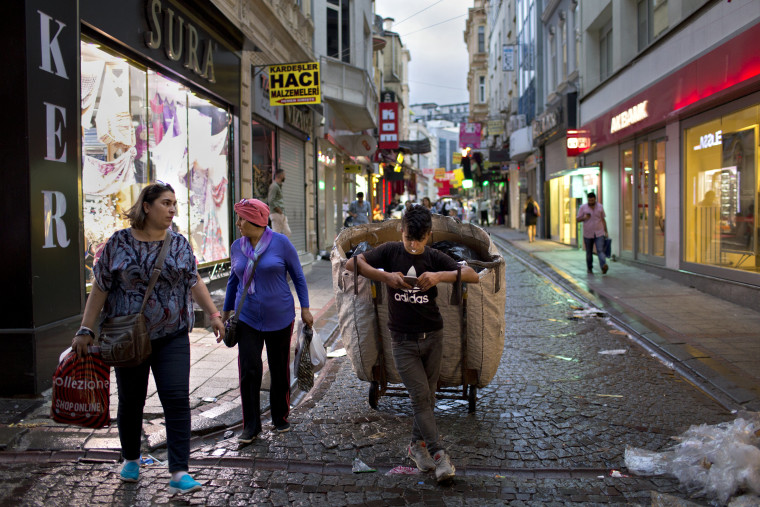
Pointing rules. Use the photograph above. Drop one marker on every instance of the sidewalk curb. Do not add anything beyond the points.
(676, 358)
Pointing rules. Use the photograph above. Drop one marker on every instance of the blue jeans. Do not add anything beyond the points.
(250, 368)
(170, 363)
(418, 361)
(589, 242)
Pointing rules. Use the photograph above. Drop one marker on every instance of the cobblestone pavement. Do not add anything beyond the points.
(548, 430)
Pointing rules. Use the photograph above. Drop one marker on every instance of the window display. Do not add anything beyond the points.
(722, 191)
(137, 127)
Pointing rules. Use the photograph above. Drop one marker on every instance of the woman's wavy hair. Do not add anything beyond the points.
(136, 214)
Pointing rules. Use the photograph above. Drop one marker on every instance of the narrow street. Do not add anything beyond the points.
(549, 429)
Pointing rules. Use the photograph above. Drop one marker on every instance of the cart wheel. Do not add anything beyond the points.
(472, 396)
(374, 394)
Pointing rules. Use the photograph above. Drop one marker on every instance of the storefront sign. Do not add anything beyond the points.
(469, 135)
(456, 157)
(52, 91)
(352, 168)
(545, 122)
(628, 117)
(388, 126)
(302, 120)
(177, 30)
(495, 127)
(508, 57)
(260, 100)
(294, 83)
(578, 141)
(710, 140)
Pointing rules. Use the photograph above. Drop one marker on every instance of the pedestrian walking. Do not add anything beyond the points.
(276, 202)
(416, 325)
(532, 212)
(427, 203)
(359, 210)
(483, 205)
(120, 277)
(267, 315)
(594, 231)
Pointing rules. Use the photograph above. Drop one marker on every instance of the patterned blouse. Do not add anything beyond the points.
(123, 271)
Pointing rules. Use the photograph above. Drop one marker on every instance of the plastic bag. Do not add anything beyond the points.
(81, 391)
(362, 247)
(712, 460)
(302, 362)
(317, 352)
(456, 251)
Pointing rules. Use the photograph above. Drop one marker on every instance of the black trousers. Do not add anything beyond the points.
(250, 367)
(170, 363)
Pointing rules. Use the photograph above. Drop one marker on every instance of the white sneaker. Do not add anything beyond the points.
(444, 470)
(420, 455)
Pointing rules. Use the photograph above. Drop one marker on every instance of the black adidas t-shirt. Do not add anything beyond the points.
(411, 311)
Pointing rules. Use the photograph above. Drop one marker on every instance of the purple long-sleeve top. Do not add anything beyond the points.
(271, 307)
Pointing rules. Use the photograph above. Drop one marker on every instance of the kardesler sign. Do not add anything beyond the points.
(294, 83)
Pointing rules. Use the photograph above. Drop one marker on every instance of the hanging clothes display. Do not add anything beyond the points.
(103, 178)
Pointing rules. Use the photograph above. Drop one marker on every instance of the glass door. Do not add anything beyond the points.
(626, 198)
(657, 198)
(642, 177)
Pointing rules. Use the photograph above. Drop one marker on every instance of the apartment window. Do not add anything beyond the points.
(339, 30)
(552, 70)
(605, 51)
(652, 20)
(482, 89)
(563, 35)
(481, 39)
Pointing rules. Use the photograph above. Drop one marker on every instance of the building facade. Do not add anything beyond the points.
(671, 110)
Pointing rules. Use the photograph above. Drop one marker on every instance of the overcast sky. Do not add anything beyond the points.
(438, 70)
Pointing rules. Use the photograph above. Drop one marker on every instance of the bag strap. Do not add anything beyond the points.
(245, 290)
(157, 269)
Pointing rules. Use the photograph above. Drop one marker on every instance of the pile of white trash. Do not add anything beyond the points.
(715, 461)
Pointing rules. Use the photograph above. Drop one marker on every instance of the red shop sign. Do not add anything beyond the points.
(388, 126)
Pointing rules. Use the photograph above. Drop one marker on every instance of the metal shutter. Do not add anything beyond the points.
(293, 161)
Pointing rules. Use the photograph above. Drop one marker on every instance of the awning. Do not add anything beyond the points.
(419, 146)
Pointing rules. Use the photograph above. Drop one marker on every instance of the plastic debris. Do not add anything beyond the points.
(361, 467)
(402, 470)
(156, 460)
(712, 460)
(208, 399)
(610, 395)
(588, 312)
(615, 352)
(617, 331)
(337, 353)
(457, 251)
(146, 461)
(560, 357)
(219, 452)
(362, 247)
(617, 474)
(228, 434)
(499, 476)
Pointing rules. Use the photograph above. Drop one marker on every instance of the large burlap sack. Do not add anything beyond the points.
(484, 306)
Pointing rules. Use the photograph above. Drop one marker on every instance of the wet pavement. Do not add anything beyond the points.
(572, 391)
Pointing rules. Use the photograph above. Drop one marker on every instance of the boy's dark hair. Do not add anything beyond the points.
(590, 195)
(416, 222)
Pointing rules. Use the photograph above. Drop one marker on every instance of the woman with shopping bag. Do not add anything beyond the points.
(121, 277)
(261, 261)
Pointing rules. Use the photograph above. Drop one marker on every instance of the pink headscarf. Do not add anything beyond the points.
(254, 211)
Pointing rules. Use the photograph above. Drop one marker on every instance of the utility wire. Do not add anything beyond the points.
(423, 10)
(431, 26)
(437, 85)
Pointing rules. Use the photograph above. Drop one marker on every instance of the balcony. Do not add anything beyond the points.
(351, 95)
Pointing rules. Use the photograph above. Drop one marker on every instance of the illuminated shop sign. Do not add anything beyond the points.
(578, 141)
(628, 117)
(710, 140)
(177, 30)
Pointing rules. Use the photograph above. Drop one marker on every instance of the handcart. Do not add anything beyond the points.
(473, 314)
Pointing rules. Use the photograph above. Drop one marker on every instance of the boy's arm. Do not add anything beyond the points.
(430, 279)
(394, 280)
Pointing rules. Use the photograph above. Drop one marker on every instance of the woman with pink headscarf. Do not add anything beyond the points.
(267, 315)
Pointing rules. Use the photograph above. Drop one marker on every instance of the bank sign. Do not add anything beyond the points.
(294, 83)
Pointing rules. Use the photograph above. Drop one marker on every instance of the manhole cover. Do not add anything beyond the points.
(13, 410)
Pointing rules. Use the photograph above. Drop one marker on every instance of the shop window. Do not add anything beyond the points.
(721, 192)
(138, 127)
(626, 197)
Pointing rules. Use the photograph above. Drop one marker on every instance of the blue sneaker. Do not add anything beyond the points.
(130, 472)
(185, 485)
